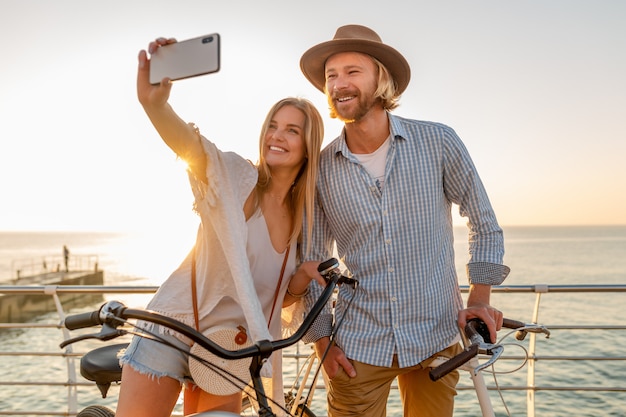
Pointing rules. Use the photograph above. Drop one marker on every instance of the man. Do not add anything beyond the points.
(66, 258)
(385, 191)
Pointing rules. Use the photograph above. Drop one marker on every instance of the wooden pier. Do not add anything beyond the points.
(24, 307)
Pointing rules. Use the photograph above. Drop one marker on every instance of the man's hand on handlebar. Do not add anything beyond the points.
(489, 315)
(478, 307)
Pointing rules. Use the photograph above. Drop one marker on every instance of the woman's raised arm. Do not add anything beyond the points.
(180, 136)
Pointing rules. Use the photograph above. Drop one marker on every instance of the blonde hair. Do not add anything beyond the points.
(387, 88)
(303, 188)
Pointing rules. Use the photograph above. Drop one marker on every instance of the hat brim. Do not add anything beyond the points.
(313, 61)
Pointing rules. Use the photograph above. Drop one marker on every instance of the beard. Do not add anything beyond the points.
(355, 111)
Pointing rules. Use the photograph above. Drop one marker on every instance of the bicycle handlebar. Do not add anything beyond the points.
(113, 314)
(477, 333)
(454, 362)
(80, 321)
(328, 267)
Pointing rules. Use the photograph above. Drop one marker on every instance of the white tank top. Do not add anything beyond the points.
(265, 265)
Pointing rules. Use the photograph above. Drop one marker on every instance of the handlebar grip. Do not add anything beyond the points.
(512, 324)
(477, 331)
(325, 267)
(329, 267)
(80, 321)
(453, 363)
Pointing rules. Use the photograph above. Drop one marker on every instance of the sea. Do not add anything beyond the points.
(549, 255)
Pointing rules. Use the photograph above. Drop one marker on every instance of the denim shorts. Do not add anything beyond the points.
(149, 357)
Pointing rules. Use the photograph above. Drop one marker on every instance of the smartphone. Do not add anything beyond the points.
(185, 59)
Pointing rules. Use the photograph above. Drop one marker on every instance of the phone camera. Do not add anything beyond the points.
(208, 39)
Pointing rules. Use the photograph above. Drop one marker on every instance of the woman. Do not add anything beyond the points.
(245, 252)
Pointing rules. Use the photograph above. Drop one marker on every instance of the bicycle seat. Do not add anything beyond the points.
(102, 366)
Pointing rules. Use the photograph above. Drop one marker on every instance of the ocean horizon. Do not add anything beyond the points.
(152, 256)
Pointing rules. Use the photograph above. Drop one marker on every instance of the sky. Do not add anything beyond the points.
(535, 89)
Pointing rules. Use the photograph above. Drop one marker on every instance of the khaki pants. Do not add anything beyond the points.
(366, 395)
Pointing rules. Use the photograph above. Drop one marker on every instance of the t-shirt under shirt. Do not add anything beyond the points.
(375, 163)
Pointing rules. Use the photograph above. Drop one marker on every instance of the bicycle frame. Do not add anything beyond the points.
(484, 400)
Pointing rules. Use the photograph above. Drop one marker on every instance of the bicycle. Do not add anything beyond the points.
(101, 364)
(474, 337)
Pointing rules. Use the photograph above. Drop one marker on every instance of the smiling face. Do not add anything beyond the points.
(284, 140)
(351, 81)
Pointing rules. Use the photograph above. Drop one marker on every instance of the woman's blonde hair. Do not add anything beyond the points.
(303, 188)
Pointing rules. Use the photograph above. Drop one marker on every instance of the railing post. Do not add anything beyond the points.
(72, 389)
(532, 350)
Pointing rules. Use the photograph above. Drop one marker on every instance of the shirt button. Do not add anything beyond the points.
(388, 241)
(394, 299)
(390, 270)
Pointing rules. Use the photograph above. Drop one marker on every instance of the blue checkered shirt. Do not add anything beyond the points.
(398, 243)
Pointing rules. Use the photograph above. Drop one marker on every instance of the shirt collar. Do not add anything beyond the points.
(397, 132)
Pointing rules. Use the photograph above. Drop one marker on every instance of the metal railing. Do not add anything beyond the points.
(531, 387)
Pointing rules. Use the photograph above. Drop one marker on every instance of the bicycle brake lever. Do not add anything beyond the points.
(531, 328)
(488, 349)
(538, 329)
(77, 339)
(106, 333)
(343, 279)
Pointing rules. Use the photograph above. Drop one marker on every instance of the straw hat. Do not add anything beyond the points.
(354, 38)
